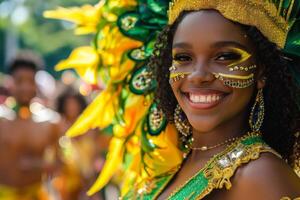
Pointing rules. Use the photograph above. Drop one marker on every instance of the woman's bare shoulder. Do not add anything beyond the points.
(268, 177)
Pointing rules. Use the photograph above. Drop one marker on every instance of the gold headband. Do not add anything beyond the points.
(260, 13)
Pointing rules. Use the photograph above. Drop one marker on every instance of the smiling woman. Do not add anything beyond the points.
(232, 97)
(223, 73)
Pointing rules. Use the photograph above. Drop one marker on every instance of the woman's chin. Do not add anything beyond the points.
(203, 127)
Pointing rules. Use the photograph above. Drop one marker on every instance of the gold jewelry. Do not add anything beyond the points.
(181, 122)
(257, 112)
(206, 148)
(183, 126)
(217, 172)
(244, 82)
(270, 23)
(241, 68)
(177, 76)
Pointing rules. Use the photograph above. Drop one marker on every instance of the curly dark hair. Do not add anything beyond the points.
(281, 92)
(25, 60)
(70, 93)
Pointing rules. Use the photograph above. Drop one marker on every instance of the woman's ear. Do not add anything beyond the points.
(261, 79)
(261, 83)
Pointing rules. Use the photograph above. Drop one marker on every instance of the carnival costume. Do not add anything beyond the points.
(145, 146)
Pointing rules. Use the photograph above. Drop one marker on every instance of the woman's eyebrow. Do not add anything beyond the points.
(229, 43)
(182, 45)
(215, 45)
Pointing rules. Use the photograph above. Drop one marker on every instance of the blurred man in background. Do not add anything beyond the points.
(27, 145)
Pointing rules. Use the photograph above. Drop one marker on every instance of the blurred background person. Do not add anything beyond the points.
(28, 140)
(70, 105)
(4, 93)
(83, 156)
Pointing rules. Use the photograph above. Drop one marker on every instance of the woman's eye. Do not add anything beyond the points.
(182, 58)
(228, 56)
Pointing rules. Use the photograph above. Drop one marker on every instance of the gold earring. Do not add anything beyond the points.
(183, 126)
(257, 112)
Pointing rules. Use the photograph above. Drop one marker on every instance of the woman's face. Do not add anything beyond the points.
(72, 108)
(206, 45)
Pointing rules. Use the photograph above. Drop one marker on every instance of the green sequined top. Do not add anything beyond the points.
(215, 174)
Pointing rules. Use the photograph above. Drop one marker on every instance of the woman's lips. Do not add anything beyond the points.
(204, 100)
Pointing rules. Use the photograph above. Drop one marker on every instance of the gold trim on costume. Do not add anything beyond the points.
(262, 14)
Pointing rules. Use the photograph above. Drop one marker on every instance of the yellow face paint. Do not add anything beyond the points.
(231, 76)
(173, 75)
(176, 76)
(244, 56)
(237, 82)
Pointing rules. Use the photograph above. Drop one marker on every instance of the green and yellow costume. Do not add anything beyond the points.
(145, 147)
(215, 174)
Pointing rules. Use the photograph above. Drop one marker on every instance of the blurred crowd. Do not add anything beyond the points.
(37, 160)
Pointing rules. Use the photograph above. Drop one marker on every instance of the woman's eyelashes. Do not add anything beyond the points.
(228, 56)
(233, 58)
(181, 58)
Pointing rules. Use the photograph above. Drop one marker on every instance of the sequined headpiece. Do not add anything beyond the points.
(274, 18)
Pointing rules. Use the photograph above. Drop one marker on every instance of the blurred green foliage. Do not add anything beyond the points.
(52, 39)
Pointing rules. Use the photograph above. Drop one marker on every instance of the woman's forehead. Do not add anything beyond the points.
(208, 27)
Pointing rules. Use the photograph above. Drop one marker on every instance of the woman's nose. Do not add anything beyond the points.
(200, 74)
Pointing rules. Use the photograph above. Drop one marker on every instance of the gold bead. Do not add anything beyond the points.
(204, 148)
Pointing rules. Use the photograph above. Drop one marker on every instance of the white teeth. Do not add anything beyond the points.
(204, 98)
(209, 98)
(214, 97)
